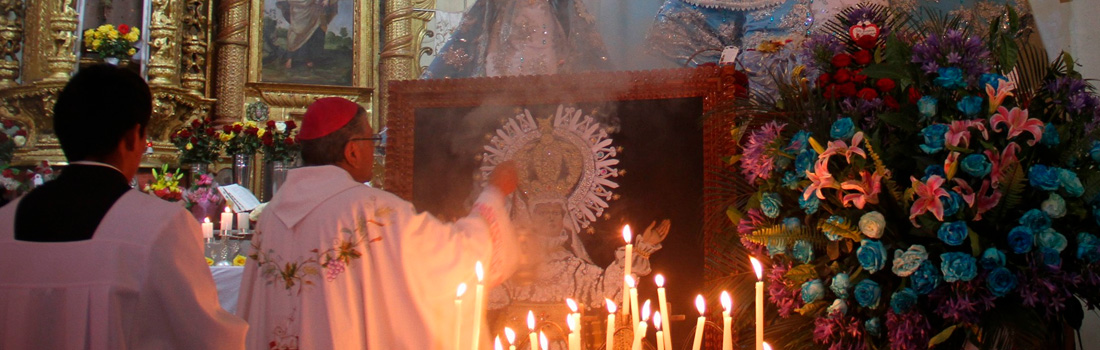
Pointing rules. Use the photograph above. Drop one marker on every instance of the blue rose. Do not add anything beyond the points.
(873, 326)
(840, 285)
(951, 203)
(1051, 257)
(970, 105)
(803, 251)
(907, 262)
(867, 293)
(799, 141)
(992, 79)
(953, 233)
(958, 267)
(926, 278)
(1050, 136)
(1001, 281)
(790, 180)
(992, 258)
(805, 162)
(1094, 152)
(842, 128)
(1054, 206)
(809, 205)
(1021, 239)
(871, 254)
(977, 165)
(927, 107)
(1088, 247)
(770, 203)
(839, 307)
(792, 224)
(1043, 177)
(776, 247)
(903, 300)
(933, 138)
(934, 170)
(1035, 219)
(1069, 181)
(812, 291)
(950, 78)
(836, 220)
(1049, 238)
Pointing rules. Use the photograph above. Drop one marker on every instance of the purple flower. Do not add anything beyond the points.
(758, 158)
(784, 299)
(970, 55)
(839, 332)
(907, 331)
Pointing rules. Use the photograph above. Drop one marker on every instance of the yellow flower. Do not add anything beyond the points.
(250, 124)
(225, 137)
(239, 260)
(132, 37)
(188, 147)
(136, 32)
(131, 52)
(260, 133)
(209, 262)
(88, 33)
(96, 43)
(112, 35)
(104, 28)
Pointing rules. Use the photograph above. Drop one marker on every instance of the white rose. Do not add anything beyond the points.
(20, 140)
(280, 126)
(871, 224)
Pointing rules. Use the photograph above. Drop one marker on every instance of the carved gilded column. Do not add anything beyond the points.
(63, 23)
(398, 55)
(164, 38)
(195, 37)
(11, 40)
(232, 56)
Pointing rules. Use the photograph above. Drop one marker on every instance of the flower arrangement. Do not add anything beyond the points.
(108, 41)
(11, 137)
(165, 185)
(280, 141)
(915, 194)
(203, 198)
(198, 142)
(15, 182)
(241, 138)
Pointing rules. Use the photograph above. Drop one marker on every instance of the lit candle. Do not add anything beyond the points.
(700, 305)
(227, 221)
(543, 341)
(727, 335)
(766, 346)
(479, 294)
(660, 333)
(511, 335)
(458, 314)
(663, 303)
(496, 344)
(207, 229)
(610, 324)
(574, 339)
(628, 261)
(576, 315)
(759, 302)
(633, 300)
(639, 331)
(531, 326)
(242, 222)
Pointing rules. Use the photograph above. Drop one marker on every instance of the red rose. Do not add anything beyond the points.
(271, 123)
(863, 57)
(251, 131)
(841, 60)
(868, 94)
(238, 128)
(194, 140)
(123, 29)
(290, 125)
(227, 128)
(823, 79)
(210, 131)
(185, 133)
(858, 77)
(8, 173)
(885, 84)
(267, 140)
(196, 123)
(914, 95)
(867, 41)
(289, 141)
(21, 132)
(891, 102)
(8, 124)
(847, 89)
(842, 76)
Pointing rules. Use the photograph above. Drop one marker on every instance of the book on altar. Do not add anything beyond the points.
(238, 197)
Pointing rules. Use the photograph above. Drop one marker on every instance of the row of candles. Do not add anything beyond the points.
(243, 223)
(640, 315)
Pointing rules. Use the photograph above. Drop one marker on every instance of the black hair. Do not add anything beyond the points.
(97, 107)
(329, 149)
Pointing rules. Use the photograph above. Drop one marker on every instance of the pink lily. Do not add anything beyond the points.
(996, 96)
(987, 202)
(929, 198)
(1007, 158)
(838, 147)
(868, 189)
(1018, 123)
(958, 132)
(964, 190)
(820, 179)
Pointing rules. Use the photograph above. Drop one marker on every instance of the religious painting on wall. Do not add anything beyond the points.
(305, 42)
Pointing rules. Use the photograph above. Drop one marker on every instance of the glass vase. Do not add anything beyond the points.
(242, 170)
(278, 175)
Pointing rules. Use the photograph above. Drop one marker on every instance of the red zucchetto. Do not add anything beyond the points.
(325, 116)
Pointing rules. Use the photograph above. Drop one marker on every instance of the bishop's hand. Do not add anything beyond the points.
(655, 234)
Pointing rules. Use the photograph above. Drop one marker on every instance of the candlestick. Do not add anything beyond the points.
(663, 303)
(700, 305)
(543, 341)
(243, 224)
(479, 295)
(227, 221)
(727, 335)
(627, 263)
(458, 314)
(610, 344)
(633, 300)
(574, 339)
(759, 302)
(496, 344)
(531, 326)
(207, 229)
(511, 336)
(660, 333)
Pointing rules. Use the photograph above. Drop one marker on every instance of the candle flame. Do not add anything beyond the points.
(611, 307)
(660, 280)
(206, 220)
(767, 346)
(531, 320)
(510, 334)
(497, 345)
(627, 234)
(572, 304)
(630, 281)
(569, 321)
(727, 303)
(480, 272)
(657, 321)
(645, 310)
(227, 210)
(461, 289)
(543, 341)
(700, 304)
(758, 268)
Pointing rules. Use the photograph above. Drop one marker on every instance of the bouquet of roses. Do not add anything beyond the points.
(932, 188)
(108, 41)
(198, 142)
(165, 185)
(279, 141)
(241, 138)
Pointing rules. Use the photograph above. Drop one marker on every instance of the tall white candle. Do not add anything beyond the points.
(531, 325)
(759, 302)
(662, 301)
(610, 344)
(458, 314)
(660, 333)
(640, 329)
(227, 221)
(633, 300)
(511, 336)
(700, 305)
(543, 341)
(479, 296)
(496, 344)
(727, 320)
(207, 228)
(628, 261)
(243, 223)
(574, 315)
(574, 339)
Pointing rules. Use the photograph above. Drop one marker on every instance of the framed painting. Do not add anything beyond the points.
(594, 151)
(311, 42)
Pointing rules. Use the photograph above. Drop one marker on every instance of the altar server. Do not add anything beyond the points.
(337, 264)
(88, 263)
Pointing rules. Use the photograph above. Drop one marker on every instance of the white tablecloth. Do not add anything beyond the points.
(228, 281)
